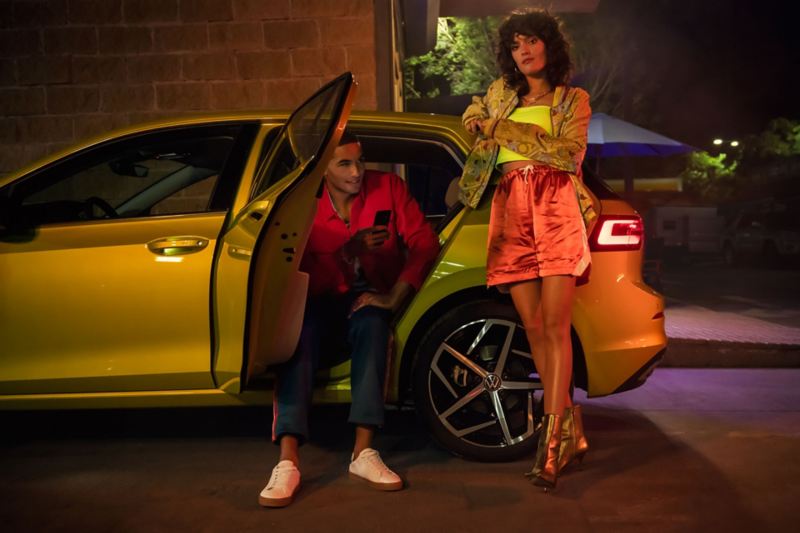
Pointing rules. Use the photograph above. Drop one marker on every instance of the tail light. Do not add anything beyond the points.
(614, 233)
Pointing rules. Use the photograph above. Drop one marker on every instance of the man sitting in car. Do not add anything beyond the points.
(369, 249)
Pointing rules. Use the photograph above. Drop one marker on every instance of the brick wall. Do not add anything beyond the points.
(73, 68)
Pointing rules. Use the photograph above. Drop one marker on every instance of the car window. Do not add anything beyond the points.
(302, 137)
(192, 199)
(284, 162)
(596, 184)
(428, 166)
(174, 171)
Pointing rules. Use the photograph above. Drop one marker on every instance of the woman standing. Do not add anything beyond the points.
(533, 127)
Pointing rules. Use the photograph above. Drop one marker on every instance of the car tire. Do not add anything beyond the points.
(475, 384)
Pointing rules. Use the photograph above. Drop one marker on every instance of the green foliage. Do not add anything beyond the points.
(711, 177)
(607, 63)
(754, 169)
(781, 138)
(461, 63)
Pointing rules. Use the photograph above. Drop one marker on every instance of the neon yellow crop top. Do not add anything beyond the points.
(536, 114)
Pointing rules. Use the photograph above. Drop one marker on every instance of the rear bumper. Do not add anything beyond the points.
(638, 379)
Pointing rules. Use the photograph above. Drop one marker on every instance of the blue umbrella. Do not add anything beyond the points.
(613, 137)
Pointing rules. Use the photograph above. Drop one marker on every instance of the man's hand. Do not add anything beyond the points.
(382, 301)
(390, 300)
(365, 240)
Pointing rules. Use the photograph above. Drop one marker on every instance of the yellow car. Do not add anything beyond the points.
(158, 266)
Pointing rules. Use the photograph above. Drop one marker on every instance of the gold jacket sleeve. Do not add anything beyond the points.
(564, 152)
(477, 109)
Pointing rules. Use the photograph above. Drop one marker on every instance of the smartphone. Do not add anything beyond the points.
(382, 218)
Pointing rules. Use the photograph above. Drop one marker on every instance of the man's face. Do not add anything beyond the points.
(346, 169)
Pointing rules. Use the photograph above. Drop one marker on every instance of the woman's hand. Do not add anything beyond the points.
(479, 125)
(474, 125)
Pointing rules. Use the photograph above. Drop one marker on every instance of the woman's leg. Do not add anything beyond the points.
(557, 296)
(526, 296)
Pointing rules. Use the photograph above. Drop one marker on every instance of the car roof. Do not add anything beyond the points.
(361, 118)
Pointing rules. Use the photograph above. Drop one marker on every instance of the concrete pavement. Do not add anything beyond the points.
(719, 316)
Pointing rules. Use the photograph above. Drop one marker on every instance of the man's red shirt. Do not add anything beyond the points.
(407, 254)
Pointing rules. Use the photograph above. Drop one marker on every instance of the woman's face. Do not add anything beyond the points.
(529, 53)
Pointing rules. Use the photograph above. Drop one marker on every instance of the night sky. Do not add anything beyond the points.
(724, 67)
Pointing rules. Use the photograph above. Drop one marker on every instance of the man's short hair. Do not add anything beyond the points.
(348, 137)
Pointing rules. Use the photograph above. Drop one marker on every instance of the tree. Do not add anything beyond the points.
(461, 63)
(781, 138)
(605, 53)
(711, 177)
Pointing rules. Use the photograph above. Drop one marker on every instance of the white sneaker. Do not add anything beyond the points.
(369, 467)
(282, 486)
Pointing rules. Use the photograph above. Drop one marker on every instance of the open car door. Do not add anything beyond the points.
(260, 293)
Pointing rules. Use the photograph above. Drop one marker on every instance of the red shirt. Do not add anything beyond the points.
(407, 254)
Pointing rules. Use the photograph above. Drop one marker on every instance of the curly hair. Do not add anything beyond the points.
(548, 28)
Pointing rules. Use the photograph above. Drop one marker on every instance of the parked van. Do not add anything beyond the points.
(693, 229)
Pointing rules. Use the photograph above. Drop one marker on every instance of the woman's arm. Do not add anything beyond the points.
(476, 111)
(480, 109)
(564, 152)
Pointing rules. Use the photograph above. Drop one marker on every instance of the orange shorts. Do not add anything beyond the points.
(536, 228)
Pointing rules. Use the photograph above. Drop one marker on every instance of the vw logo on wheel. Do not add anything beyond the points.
(492, 382)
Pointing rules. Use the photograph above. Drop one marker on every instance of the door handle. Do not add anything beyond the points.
(177, 245)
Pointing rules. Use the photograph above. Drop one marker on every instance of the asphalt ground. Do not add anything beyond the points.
(691, 450)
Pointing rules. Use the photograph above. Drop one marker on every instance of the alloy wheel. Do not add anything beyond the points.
(482, 384)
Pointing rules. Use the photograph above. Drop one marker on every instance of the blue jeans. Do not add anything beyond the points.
(327, 327)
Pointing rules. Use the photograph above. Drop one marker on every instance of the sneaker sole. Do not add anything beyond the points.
(276, 502)
(387, 487)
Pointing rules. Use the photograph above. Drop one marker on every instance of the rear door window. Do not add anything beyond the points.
(428, 165)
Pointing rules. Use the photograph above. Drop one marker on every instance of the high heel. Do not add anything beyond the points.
(545, 467)
(573, 441)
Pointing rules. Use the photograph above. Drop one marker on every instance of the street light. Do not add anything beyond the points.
(733, 143)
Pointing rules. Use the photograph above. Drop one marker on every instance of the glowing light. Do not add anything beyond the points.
(734, 143)
(717, 142)
(168, 259)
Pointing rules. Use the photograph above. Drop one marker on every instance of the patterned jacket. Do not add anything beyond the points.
(564, 150)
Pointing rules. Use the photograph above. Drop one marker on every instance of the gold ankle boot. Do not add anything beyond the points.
(573, 441)
(545, 467)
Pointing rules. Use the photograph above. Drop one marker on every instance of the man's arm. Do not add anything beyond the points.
(421, 242)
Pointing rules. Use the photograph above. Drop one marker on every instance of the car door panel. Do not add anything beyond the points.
(121, 301)
(89, 307)
(260, 292)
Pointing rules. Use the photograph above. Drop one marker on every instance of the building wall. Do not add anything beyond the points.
(70, 69)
